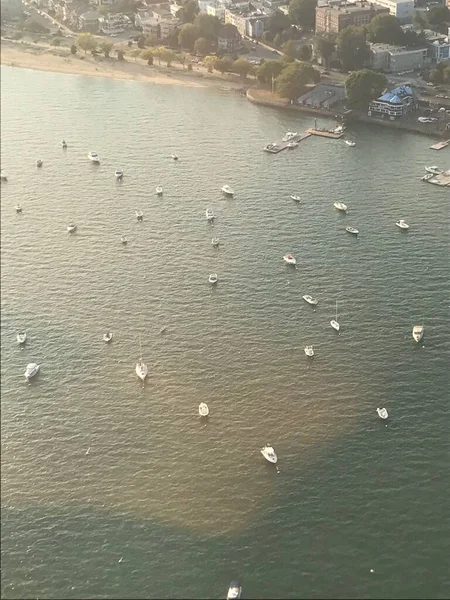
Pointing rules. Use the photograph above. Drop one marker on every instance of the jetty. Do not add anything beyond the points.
(334, 134)
(442, 180)
(277, 147)
(440, 145)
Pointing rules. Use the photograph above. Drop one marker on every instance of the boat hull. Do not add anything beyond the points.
(335, 325)
(31, 371)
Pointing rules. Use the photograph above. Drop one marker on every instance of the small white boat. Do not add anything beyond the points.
(334, 322)
(31, 370)
(39, 163)
(269, 454)
(382, 413)
(227, 190)
(289, 259)
(64, 145)
(139, 214)
(18, 208)
(209, 214)
(215, 242)
(118, 174)
(350, 143)
(94, 157)
(271, 147)
(141, 370)
(339, 129)
(21, 338)
(417, 333)
(292, 145)
(159, 191)
(234, 591)
(295, 198)
(71, 227)
(309, 351)
(124, 240)
(434, 170)
(107, 337)
(309, 299)
(340, 206)
(289, 135)
(175, 157)
(203, 409)
(352, 230)
(213, 278)
(402, 224)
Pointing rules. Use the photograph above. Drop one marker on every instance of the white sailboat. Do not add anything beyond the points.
(141, 368)
(203, 409)
(334, 322)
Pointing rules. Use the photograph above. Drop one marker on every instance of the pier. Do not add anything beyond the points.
(334, 135)
(440, 145)
(277, 147)
(442, 180)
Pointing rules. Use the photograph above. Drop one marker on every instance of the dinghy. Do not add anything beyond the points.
(234, 591)
(213, 278)
(209, 214)
(71, 227)
(295, 198)
(309, 351)
(382, 413)
(159, 191)
(39, 163)
(107, 337)
(118, 174)
(203, 409)
(215, 242)
(139, 214)
(32, 370)
(352, 230)
(289, 259)
(124, 240)
(21, 338)
(309, 299)
(402, 224)
(18, 208)
(227, 190)
(175, 157)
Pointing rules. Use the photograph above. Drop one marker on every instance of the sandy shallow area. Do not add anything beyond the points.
(28, 56)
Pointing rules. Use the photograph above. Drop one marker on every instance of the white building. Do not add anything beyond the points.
(395, 59)
(112, 24)
(438, 45)
(216, 10)
(402, 9)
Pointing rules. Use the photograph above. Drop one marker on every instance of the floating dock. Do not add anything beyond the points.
(442, 180)
(280, 146)
(440, 145)
(325, 133)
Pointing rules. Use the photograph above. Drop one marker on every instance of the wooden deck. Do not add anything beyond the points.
(280, 146)
(440, 145)
(325, 133)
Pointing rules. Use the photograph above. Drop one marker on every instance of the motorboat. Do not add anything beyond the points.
(339, 129)
(289, 259)
(32, 370)
(71, 227)
(434, 170)
(401, 223)
(124, 240)
(141, 370)
(352, 230)
(350, 143)
(175, 157)
(39, 163)
(269, 453)
(309, 351)
(21, 338)
(234, 591)
(382, 413)
(94, 157)
(309, 299)
(203, 409)
(271, 147)
(215, 242)
(209, 214)
(295, 198)
(417, 333)
(289, 135)
(292, 145)
(118, 173)
(334, 322)
(107, 337)
(213, 278)
(139, 214)
(64, 145)
(227, 190)
(18, 208)
(427, 177)
(159, 191)
(340, 206)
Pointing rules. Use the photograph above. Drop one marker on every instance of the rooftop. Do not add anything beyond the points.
(394, 49)
(347, 7)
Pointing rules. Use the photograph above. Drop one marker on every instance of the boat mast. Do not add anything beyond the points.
(336, 310)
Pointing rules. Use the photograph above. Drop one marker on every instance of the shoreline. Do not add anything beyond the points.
(42, 58)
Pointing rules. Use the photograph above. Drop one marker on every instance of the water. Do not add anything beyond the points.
(165, 505)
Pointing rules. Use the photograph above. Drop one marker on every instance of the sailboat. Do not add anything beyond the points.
(141, 368)
(334, 322)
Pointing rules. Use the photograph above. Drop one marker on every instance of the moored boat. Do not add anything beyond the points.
(141, 370)
(21, 338)
(382, 413)
(64, 145)
(39, 163)
(107, 337)
(215, 242)
(159, 191)
(139, 214)
(94, 157)
(402, 224)
(203, 409)
(269, 454)
(350, 143)
(340, 206)
(352, 230)
(227, 190)
(32, 370)
(295, 198)
(234, 591)
(209, 214)
(18, 208)
(309, 351)
(334, 322)
(289, 259)
(118, 173)
(434, 170)
(72, 227)
(292, 145)
(124, 240)
(417, 333)
(309, 299)
(213, 278)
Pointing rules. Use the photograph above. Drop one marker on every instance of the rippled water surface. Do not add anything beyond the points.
(114, 490)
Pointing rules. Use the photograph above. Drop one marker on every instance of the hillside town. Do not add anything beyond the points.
(386, 60)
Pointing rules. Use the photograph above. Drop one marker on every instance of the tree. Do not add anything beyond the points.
(202, 46)
(278, 22)
(142, 42)
(182, 59)
(120, 55)
(55, 42)
(324, 46)
(223, 65)
(290, 49)
(412, 39)
(439, 16)
(187, 12)
(242, 67)
(106, 48)
(303, 13)
(168, 56)
(361, 87)
(277, 40)
(293, 78)
(73, 49)
(86, 41)
(187, 36)
(269, 69)
(305, 53)
(207, 26)
(267, 37)
(353, 49)
(420, 21)
(210, 63)
(385, 29)
(135, 53)
(147, 55)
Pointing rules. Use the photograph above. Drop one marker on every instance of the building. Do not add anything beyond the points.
(438, 46)
(395, 59)
(88, 21)
(333, 17)
(229, 39)
(150, 27)
(402, 9)
(112, 24)
(395, 104)
(247, 21)
(322, 95)
(216, 9)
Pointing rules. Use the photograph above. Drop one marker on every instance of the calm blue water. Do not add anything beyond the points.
(165, 505)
